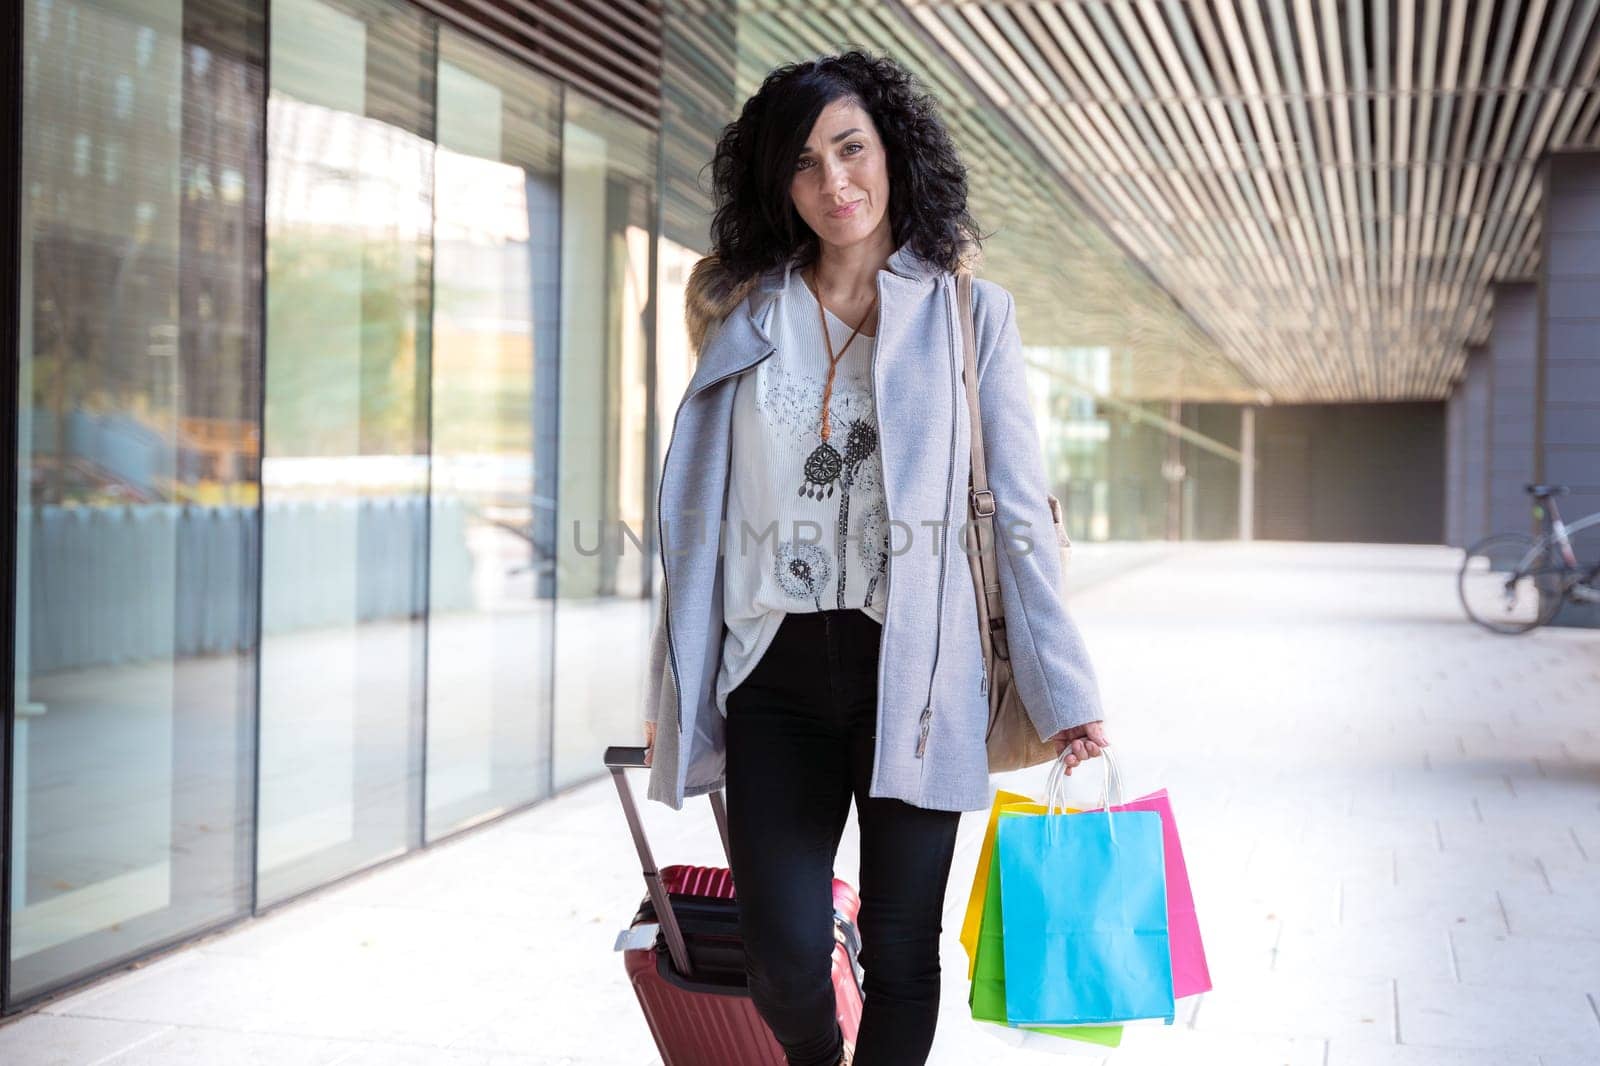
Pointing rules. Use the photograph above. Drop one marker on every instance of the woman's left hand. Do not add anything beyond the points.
(1085, 742)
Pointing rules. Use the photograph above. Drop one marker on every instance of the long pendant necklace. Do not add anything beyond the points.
(824, 464)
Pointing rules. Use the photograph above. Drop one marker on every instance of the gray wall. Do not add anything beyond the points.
(1370, 472)
(1569, 332)
(1513, 349)
(1214, 499)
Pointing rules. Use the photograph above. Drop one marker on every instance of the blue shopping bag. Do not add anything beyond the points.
(1084, 914)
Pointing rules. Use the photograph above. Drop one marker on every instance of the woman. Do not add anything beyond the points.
(818, 632)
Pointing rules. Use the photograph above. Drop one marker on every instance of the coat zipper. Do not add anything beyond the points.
(888, 536)
(944, 540)
(661, 536)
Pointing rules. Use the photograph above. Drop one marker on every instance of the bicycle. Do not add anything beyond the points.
(1515, 582)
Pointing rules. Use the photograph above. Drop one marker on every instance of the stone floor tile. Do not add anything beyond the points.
(1153, 1047)
(1557, 963)
(1571, 1058)
(1453, 801)
(1413, 1055)
(1506, 1015)
(1316, 866)
(1558, 782)
(1552, 838)
(1551, 914)
(562, 1026)
(1414, 906)
(312, 997)
(53, 1040)
(1358, 952)
(1572, 877)
(191, 1045)
(413, 1055)
(1303, 1004)
(1394, 831)
(1484, 870)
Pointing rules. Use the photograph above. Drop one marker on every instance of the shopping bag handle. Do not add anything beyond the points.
(1058, 780)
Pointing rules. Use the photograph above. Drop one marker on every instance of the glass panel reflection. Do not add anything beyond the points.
(607, 216)
(496, 331)
(137, 455)
(349, 186)
(1130, 470)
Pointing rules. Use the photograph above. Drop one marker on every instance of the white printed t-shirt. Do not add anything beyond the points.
(817, 534)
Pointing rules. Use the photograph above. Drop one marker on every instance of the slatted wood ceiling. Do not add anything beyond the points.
(1328, 187)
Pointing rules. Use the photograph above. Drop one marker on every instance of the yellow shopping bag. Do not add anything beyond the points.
(980, 879)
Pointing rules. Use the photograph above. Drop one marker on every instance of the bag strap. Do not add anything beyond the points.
(980, 499)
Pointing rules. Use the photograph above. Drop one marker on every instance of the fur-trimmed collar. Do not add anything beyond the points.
(713, 293)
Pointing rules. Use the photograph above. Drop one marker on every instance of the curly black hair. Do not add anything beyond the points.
(756, 226)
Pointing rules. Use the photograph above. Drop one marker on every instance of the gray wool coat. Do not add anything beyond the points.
(930, 663)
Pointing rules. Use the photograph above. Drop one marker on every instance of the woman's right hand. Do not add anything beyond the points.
(649, 741)
(1085, 741)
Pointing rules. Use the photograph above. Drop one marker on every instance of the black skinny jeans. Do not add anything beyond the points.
(800, 744)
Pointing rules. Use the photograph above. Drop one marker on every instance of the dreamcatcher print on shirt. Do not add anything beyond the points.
(825, 465)
(803, 568)
(845, 460)
(853, 466)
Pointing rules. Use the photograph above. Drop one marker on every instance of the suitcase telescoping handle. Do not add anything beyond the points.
(619, 759)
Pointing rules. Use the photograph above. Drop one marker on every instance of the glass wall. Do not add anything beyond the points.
(344, 515)
(497, 205)
(607, 218)
(137, 457)
(329, 387)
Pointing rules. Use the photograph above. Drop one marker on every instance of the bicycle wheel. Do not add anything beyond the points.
(1509, 584)
(1584, 586)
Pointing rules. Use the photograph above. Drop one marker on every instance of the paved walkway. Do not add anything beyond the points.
(1392, 822)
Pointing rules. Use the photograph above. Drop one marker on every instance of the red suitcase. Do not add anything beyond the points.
(688, 970)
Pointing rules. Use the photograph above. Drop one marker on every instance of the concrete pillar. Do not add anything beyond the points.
(1472, 513)
(1567, 421)
(1454, 419)
(1513, 362)
(1247, 473)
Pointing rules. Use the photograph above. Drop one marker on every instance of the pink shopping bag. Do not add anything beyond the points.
(1189, 973)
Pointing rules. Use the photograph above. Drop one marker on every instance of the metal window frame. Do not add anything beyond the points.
(10, 321)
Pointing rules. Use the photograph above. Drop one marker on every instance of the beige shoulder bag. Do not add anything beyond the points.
(1012, 741)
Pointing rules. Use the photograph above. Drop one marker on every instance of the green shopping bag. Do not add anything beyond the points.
(987, 994)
